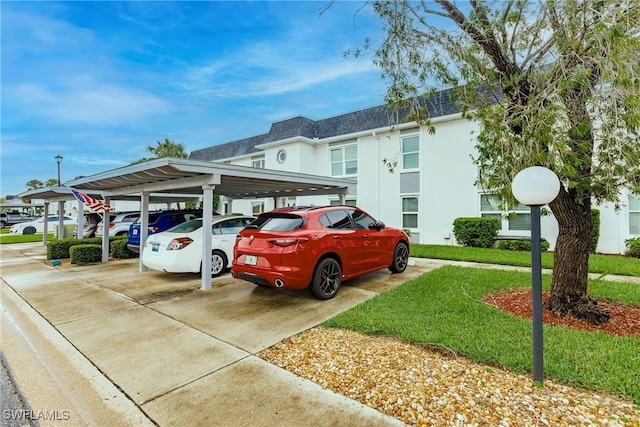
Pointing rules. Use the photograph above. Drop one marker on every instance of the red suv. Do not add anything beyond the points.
(316, 248)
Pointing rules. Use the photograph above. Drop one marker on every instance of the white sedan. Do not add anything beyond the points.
(179, 249)
(37, 225)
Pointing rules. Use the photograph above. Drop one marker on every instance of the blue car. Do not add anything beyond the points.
(160, 221)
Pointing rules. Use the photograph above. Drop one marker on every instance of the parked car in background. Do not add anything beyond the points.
(179, 249)
(160, 221)
(9, 218)
(37, 225)
(120, 224)
(316, 248)
(91, 221)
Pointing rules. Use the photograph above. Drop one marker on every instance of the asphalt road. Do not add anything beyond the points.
(15, 409)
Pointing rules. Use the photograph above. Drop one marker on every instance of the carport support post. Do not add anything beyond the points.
(105, 231)
(207, 222)
(144, 227)
(80, 222)
(45, 235)
(60, 219)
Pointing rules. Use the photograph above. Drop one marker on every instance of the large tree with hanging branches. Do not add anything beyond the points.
(553, 83)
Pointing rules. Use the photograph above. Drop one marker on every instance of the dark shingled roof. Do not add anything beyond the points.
(230, 149)
(368, 119)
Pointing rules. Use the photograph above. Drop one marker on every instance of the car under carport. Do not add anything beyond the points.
(168, 178)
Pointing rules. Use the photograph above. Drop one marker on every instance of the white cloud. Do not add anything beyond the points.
(99, 103)
(263, 72)
(99, 81)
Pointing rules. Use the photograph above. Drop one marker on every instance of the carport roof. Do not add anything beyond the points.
(167, 176)
(62, 193)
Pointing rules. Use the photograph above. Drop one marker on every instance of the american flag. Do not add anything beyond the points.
(93, 204)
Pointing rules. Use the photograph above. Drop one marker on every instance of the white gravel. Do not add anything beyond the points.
(423, 387)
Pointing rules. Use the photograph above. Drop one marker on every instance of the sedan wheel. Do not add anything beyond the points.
(218, 263)
(400, 258)
(326, 279)
(29, 230)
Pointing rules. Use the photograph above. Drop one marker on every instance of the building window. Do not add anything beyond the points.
(409, 212)
(411, 152)
(518, 219)
(281, 156)
(258, 162)
(257, 208)
(344, 160)
(634, 215)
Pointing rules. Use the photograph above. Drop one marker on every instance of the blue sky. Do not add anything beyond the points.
(97, 82)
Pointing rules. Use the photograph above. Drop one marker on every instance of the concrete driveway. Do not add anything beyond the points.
(172, 353)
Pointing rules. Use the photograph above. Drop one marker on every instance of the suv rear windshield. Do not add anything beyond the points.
(278, 222)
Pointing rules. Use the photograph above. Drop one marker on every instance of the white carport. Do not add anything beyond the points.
(167, 176)
(58, 194)
(62, 194)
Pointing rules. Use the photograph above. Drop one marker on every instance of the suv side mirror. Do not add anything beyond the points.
(378, 225)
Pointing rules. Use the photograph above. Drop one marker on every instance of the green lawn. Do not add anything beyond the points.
(444, 309)
(605, 264)
(6, 237)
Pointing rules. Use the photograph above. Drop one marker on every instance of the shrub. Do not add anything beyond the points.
(521, 245)
(119, 249)
(85, 254)
(60, 248)
(476, 232)
(633, 247)
(595, 232)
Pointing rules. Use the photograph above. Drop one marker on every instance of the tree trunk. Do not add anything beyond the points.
(571, 262)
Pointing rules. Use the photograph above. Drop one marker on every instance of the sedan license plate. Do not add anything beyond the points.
(251, 260)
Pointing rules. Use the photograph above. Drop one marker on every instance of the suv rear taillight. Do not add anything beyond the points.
(111, 224)
(284, 242)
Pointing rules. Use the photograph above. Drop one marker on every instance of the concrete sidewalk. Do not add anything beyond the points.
(107, 345)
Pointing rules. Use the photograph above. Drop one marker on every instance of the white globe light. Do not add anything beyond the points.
(535, 186)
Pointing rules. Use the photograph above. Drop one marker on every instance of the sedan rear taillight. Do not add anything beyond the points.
(284, 242)
(179, 243)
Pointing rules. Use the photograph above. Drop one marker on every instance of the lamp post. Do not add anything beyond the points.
(58, 160)
(536, 186)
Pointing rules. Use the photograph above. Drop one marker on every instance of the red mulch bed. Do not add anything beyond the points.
(625, 319)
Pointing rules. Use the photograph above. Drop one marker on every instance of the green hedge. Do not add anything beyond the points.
(521, 245)
(476, 232)
(59, 249)
(85, 253)
(633, 247)
(119, 249)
